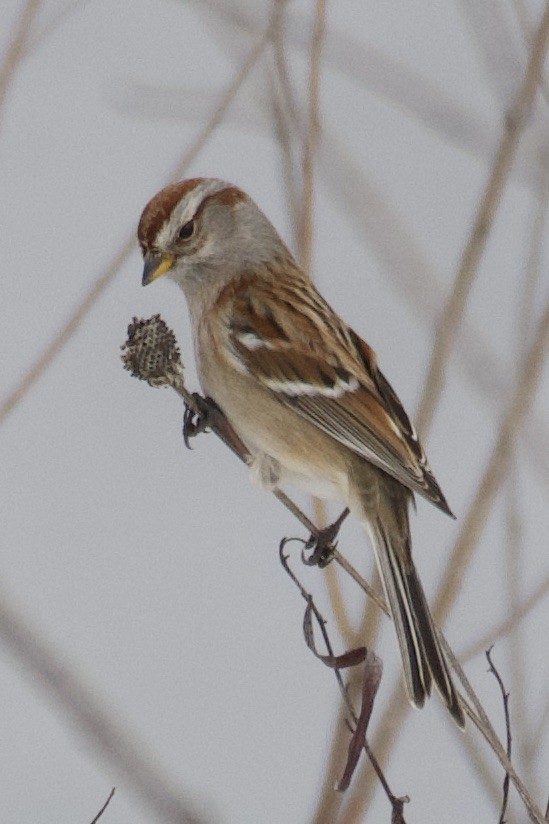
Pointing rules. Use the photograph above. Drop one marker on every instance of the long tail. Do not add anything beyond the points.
(422, 657)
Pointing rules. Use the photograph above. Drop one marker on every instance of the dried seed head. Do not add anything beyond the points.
(151, 352)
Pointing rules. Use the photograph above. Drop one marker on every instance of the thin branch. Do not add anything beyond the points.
(505, 698)
(104, 807)
(82, 310)
(453, 311)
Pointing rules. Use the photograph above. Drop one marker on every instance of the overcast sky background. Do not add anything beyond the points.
(153, 571)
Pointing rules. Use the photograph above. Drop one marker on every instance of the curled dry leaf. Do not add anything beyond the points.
(373, 669)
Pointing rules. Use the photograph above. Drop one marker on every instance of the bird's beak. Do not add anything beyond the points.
(156, 265)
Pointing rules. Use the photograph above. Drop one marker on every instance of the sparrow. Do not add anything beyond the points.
(301, 389)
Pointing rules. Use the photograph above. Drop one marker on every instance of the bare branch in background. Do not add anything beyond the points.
(452, 314)
(398, 83)
(283, 113)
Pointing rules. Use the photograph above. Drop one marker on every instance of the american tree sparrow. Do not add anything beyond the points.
(301, 389)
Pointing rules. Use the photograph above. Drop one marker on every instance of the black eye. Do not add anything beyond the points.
(187, 230)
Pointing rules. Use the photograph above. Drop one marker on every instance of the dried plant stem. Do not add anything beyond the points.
(65, 333)
(329, 802)
(453, 311)
(16, 48)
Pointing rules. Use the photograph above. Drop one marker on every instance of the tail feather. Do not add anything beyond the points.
(422, 656)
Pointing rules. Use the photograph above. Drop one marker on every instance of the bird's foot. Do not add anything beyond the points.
(196, 421)
(323, 543)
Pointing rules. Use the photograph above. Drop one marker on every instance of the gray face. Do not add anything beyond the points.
(205, 228)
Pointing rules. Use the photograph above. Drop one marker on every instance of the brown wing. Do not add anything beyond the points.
(319, 367)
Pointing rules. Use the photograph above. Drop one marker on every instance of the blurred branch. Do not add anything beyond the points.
(120, 257)
(500, 45)
(305, 233)
(101, 729)
(396, 82)
(16, 48)
(514, 506)
(454, 309)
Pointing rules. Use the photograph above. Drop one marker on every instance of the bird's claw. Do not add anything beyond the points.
(323, 544)
(195, 422)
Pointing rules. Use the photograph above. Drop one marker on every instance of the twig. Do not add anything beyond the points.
(505, 697)
(65, 333)
(104, 807)
(453, 311)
